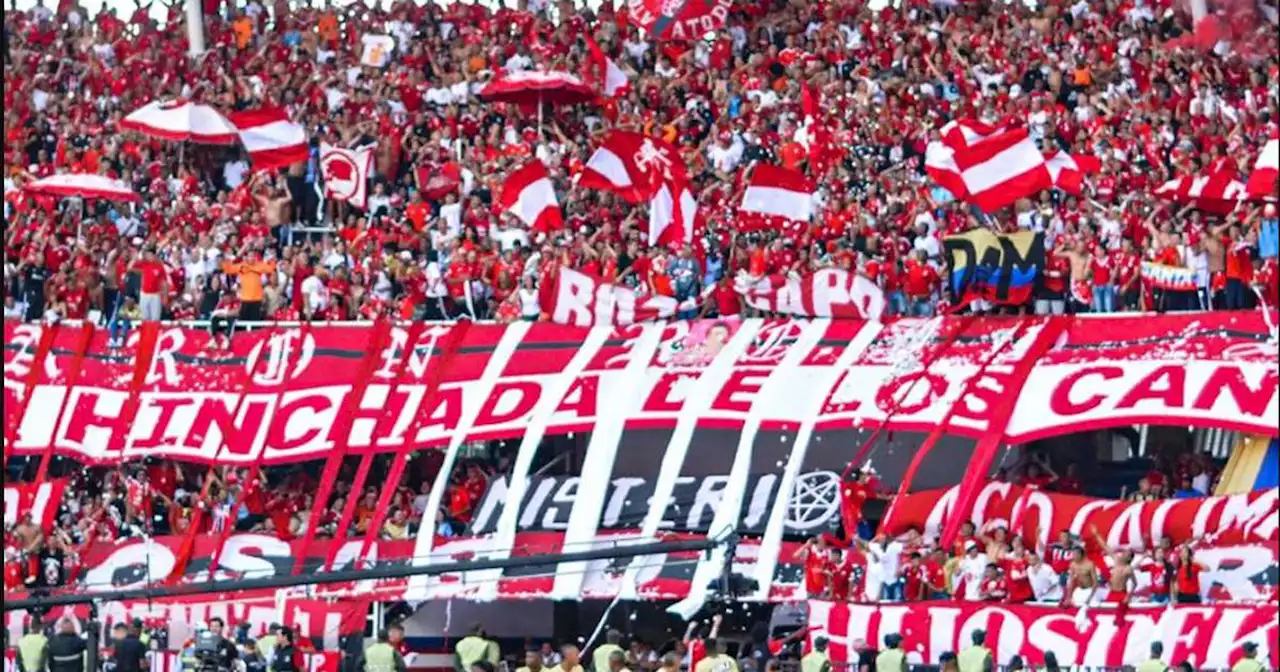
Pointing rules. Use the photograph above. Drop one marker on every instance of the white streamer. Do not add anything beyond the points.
(597, 466)
(696, 403)
(771, 543)
(511, 337)
(730, 507)
(504, 536)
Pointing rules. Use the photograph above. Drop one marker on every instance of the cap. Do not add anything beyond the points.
(970, 545)
(1249, 647)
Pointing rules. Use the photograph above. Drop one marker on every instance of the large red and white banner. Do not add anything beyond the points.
(1233, 519)
(1211, 637)
(833, 292)
(40, 500)
(277, 393)
(1232, 573)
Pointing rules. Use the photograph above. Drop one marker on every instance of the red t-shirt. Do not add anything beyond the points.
(153, 275)
(815, 577)
(841, 580)
(913, 582)
(919, 280)
(995, 590)
(1019, 585)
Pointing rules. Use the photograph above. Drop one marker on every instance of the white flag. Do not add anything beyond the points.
(346, 173)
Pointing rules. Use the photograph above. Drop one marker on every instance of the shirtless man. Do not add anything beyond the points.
(1082, 580)
(1074, 252)
(1122, 581)
(274, 204)
(30, 540)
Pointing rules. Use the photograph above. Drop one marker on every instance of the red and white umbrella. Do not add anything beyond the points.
(182, 120)
(535, 87)
(83, 185)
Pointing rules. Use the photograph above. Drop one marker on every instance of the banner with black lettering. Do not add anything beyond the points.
(996, 267)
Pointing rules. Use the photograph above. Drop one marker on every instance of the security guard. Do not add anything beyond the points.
(893, 658)
(474, 648)
(267, 644)
(716, 660)
(1250, 662)
(817, 659)
(976, 658)
(600, 657)
(382, 657)
(33, 648)
(66, 649)
(1153, 664)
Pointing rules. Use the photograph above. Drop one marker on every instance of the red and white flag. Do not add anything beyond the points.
(1216, 194)
(271, 139)
(40, 501)
(961, 133)
(775, 194)
(346, 173)
(673, 215)
(633, 165)
(940, 164)
(529, 195)
(1002, 169)
(1069, 170)
(609, 78)
(1262, 182)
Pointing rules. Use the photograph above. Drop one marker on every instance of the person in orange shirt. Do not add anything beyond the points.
(242, 27)
(250, 273)
(327, 27)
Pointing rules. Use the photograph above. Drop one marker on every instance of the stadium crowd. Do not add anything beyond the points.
(1124, 80)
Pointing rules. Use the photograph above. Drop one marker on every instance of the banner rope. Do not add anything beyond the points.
(73, 377)
(377, 341)
(925, 364)
(200, 505)
(985, 452)
(366, 461)
(449, 350)
(940, 428)
(254, 471)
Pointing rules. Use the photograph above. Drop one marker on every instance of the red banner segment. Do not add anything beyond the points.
(1102, 373)
(1247, 518)
(1210, 636)
(39, 500)
(1233, 574)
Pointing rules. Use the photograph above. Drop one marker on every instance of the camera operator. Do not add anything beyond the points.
(130, 653)
(225, 652)
(66, 649)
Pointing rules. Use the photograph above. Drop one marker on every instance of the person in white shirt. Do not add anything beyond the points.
(1044, 581)
(315, 291)
(726, 153)
(972, 568)
(530, 307)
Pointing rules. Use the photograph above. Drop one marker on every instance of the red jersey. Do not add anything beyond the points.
(153, 276)
(913, 582)
(841, 580)
(815, 574)
(1019, 585)
(994, 590)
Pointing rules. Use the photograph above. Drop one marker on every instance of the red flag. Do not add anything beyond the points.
(634, 166)
(529, 195)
